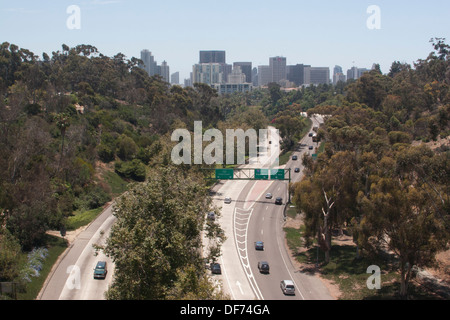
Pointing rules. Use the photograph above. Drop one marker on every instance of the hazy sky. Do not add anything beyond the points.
(319, 33)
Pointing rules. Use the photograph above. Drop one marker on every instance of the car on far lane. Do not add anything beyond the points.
(269, 196)
(263, 266)
(259, 245)
(227, 200)
(215, 268)
(100, 270)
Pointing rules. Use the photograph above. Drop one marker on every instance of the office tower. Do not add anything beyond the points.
(278, 68)
(149, 62)
(229, 88)
(319, 75)
(307, 75)
(212, 56)
(355, 73)
(237, 76)
(209, 73)
(296, 74)
(337, 69)
(216, 56)
(246, 68)
(339, 77)
(255, 77)
(175, 78)
(264, 75)
(165, 71)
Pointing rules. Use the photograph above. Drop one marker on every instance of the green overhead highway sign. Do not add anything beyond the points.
(224, 174)
(261, 174)
(277, 174)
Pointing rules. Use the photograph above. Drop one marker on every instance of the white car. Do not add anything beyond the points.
(227, 200)
(269, 196)
(287, 286)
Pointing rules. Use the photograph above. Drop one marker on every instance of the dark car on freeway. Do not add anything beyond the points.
(215, 268)
(279, 200)
(259, 245)
(100, 270)
(263, 266)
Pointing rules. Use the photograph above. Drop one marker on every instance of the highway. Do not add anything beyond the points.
(73, 275)
(250, 218)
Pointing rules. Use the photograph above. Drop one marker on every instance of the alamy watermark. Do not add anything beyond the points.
(374, 20)
(263, 146)
(74, 280)
(73, 22)
(374, 281)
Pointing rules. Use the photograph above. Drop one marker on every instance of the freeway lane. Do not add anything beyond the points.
(252, 218)
(72, 278)
(267, 225)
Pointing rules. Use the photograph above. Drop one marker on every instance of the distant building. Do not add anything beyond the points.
(278, 68)
(237, 76)
(229, 88)
(216, 56)
(175, 78)
(209, 73)
(355, 73)
(255, 77)
(337, 69)
(187, 82)
(212, 56)
(339, 77)
(149, 63)
(264, 75)
(246, 68)
(165, 71)
(317, 75)
(296, 74)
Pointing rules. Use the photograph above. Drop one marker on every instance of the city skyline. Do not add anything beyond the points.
(324, 35)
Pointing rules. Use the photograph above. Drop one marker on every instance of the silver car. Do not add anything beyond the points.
(287, 286)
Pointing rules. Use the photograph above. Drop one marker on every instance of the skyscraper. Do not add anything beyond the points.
(165, 71)
(264, 75)
(319, 75)
(175, 78)
(209, 73)
(149, 63)
(278, 67)
(296, 74)
(246, 68)
(212, 56)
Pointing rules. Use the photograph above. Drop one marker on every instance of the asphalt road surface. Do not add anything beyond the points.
(250, 218)
(73, 275)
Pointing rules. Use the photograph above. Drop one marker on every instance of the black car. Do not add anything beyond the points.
(263, 267)
(259, 245)
(294, 158)
(297, 170)
(279, 200)
(215, 268)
